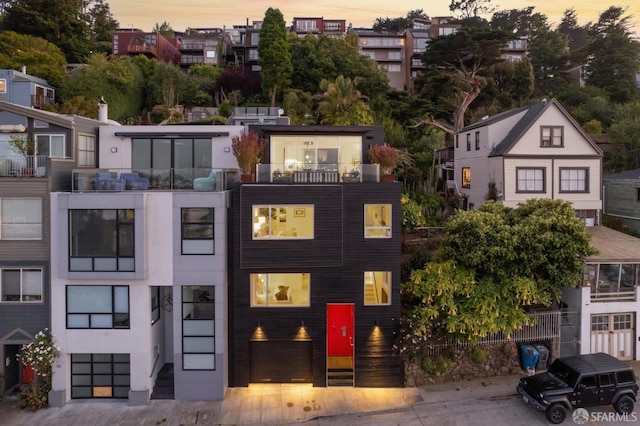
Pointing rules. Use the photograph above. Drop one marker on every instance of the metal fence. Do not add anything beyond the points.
(546, 327)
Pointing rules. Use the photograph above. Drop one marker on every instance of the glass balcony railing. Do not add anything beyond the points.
(318, 173)
(118, 180)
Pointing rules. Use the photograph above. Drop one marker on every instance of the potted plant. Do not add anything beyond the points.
(387, 157)
(248, 148)
(26, 146)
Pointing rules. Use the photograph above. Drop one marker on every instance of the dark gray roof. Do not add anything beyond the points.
(63, 120)
(627, 175)
(516, 132)
(493, 119)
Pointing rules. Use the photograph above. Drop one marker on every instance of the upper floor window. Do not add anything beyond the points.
(52, 146)
(574, 180)
(3, 86)
(97, 306)
(530, 179)
(290, 289)
(21, 218)
(198, 328)
(377, 288)
(86, 151)
(101, 240)
(551, 136)
(377, 220)
(477, 141)
(21, 285)
(466, 177)
(283, 221)
(197, 230)
(468, 141)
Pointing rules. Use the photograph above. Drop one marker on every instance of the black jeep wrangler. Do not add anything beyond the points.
(580, 381)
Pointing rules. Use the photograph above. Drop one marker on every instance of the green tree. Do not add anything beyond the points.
(457, 61)
(102, 25)
(549, 59)
(471, 8)
(274, 56)
(576, 35)
(61, 22)
(613, 55)
(342, 104)
(166, 85)
(42, 58)
(164, 29)
(298, 106)
(495, 261)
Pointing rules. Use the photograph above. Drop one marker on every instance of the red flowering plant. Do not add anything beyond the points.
(384, 155)
(248, 148)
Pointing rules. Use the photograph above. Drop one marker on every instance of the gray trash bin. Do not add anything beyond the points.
(543, 356)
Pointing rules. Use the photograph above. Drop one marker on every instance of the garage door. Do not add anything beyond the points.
(613, 334)
(281, 362)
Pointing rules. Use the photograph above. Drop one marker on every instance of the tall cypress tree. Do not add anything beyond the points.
(274, 56)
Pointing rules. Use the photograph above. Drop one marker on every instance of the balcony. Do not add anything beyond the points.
(119, 180)
(41, 101)
(317, 173)
(24, 166)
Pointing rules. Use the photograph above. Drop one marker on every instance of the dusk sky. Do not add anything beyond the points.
(144, 14)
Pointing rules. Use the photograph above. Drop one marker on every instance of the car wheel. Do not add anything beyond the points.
(624, 405)
(556, 413)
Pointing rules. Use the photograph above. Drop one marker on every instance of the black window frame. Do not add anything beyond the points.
(477, 136)
(468, 141)
(120, 226)
(185, 225)
(113, 312)
(193, 303)
(120, 367)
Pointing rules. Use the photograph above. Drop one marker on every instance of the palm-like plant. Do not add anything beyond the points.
(342, 104)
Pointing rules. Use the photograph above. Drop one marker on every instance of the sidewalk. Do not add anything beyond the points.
(260, 404)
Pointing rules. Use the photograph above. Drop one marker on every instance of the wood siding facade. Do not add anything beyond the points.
(336, 259)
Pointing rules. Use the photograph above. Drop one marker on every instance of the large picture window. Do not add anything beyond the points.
(574, 180)
(21, 285)
(97, 306)
(280, 290)
(551, 136)
(198, 328)
(101, 240)
(530, 180)
(377, 220)
(377, 288)
(283, 221)
(52, 146)
(197, 230)
(21, 219)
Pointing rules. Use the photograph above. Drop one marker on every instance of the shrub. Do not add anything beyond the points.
(478, 355)
(438, 366)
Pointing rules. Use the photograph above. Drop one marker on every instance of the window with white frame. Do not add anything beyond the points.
(283, 222)
(377, 220)
(86, 151)
(97, 306)
(51, 146)
(21, 285)
(21, 218)
(377, 288)
(280, 290)
(197, 230)
(530, 179)
(574, 180)
(551, 136)
(198, 328)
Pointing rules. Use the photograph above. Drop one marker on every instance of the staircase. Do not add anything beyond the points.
(164, 383)
(340, 371)
(370, 294)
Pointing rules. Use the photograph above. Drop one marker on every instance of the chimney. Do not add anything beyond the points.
(103, 111)
(24, 69)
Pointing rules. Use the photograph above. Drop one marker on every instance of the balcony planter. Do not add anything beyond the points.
(248, 148)
(387, 157)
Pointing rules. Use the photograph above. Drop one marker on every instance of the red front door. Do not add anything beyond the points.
(340, 329)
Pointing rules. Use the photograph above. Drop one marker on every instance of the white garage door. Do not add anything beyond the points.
(613, 334)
